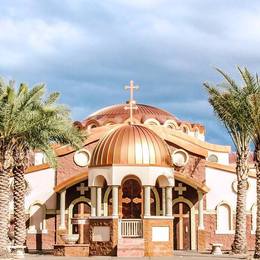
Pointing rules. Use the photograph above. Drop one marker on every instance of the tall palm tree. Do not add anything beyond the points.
(6, 166)
(254, 105)
(32, 121)
(229, 103)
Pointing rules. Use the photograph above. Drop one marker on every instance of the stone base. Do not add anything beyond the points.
(156, 244)
(71, 250)
(103, 246)
(202, 238)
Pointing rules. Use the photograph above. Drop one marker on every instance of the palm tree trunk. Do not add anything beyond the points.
(239, 245)
(20, 155)
(5, 170)
(257, 235)
(19, 210)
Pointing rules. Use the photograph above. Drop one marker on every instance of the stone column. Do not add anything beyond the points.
(169, 201)
(201, 212)
(93, 201)
(147, 201)
(62, 210)
(163, 202)
(115, 200)
(98, 201)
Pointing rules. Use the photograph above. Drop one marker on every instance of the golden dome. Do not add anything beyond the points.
(131, 145)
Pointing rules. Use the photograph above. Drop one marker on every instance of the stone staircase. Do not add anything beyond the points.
(130, 247)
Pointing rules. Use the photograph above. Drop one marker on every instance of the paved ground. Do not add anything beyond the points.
(177, 256)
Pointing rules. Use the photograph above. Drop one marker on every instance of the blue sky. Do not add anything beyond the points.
(88, 50)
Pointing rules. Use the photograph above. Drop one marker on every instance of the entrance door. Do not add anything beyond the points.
(181, 226)
(80, 221)
(131, 199)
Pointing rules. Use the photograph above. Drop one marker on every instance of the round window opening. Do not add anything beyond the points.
(82, 158)
(180, 158)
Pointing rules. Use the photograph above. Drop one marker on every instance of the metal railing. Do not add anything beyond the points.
(131, 227)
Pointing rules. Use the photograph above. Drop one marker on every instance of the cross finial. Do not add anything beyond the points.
(132, 102)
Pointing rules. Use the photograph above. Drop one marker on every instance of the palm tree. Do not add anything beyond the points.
(254, 105)
(32, 122)
(229, 103)
(6, 165)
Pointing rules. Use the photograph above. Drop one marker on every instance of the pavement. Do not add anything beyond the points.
(176, 256)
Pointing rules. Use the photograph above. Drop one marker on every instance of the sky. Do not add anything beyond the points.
(88, 50)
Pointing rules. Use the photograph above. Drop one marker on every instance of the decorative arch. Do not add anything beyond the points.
(224, 218)
(170, 124)
(39, 227)
(92, 123)
(131, 176)
(71, 206)
(196, 132)
(192, 219)
(185, 129)
(99, 181)
(163, 181)
(151, 121)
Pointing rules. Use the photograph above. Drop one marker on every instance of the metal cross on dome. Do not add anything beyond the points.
(132, 103)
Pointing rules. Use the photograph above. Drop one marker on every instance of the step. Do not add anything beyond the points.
(133, 247)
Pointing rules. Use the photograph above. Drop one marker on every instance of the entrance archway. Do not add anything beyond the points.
(79, 212)
(131, 199)
(181, 226)
(184, 224)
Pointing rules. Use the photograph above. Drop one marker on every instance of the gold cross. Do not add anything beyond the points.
(180, 189)
(132, 102)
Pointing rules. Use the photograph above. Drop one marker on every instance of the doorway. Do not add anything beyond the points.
(131, 199)
(182, 226)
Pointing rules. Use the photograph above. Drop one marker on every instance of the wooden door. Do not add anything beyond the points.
(181, 226)
(131, 199)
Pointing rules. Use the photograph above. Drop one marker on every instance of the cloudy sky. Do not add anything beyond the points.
(88, 50)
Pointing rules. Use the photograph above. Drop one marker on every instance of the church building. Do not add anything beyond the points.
(145, 183)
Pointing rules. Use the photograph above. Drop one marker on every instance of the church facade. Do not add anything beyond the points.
(144, 184)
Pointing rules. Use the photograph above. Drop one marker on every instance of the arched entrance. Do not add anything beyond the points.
(79, 212)
(182, 226)
(131, 199)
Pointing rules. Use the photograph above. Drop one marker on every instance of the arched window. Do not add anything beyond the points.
(224, 218)
(213, 158)
(37, 219)
(170, 124)
(185, 129)
(151, 121)
(196, 133)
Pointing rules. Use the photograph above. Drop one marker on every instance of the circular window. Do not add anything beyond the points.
(213, 158)
(82, 158)
(180, 158)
